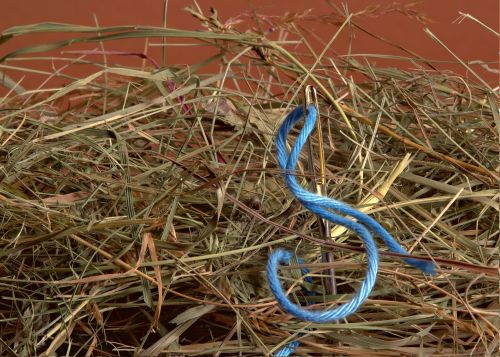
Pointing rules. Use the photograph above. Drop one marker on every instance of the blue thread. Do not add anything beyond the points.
(287, 349)
(319, 205)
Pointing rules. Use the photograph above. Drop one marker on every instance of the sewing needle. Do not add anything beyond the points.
(320, 187)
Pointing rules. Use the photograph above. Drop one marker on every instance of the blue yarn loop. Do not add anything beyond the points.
(329, 209)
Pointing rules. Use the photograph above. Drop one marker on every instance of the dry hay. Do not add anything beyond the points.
(139, 205)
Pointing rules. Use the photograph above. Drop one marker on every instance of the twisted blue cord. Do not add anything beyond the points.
(320, 206)
(287, 349)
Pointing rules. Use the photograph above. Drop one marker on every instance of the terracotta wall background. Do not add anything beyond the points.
(467, 39)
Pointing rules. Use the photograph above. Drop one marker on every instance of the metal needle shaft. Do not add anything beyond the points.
(320, 187)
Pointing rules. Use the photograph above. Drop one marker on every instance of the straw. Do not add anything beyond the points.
(138, 212)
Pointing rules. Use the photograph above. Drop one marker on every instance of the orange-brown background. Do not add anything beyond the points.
(467, 39)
